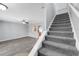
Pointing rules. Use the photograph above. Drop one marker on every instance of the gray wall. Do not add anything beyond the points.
(60, 8)
(50, 14)
(10, 30)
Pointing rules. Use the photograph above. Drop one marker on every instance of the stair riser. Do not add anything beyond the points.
(59, 21)
(63, 15)
(40, 54)
(61, 50)
(61, 18)
(61, 34)
(64, 41)
(56, 29)
(61, 25)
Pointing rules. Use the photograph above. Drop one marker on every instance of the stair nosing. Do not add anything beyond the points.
(61, 24)
(60, 45)
(60, 37)
(46, 50)
(60, 32)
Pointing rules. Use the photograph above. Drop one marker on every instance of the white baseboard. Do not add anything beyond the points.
(32, 36)
(13, 38)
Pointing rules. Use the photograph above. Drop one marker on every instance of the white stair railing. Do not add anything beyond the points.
(74, 17)
(38, 45)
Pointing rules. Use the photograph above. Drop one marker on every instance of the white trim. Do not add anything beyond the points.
(51, 22)
(37, 45)
(13, 38)
(73, 29)
(31, 36)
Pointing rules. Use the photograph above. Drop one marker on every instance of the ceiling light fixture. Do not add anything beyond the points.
(25, 21)
(3, 7)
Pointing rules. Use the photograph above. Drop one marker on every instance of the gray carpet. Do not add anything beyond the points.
(59, 40)
(17, 47)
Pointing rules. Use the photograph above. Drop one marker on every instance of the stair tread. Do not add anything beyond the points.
(60, 31)
(62, 24)
(48, 52)
(60, 45)
(61, 37)
(61, 27)
(58, 21)
(59, 40)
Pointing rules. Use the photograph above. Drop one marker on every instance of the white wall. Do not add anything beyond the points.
(60, 8)
(11, 30)
(36, 13)
(19, 11)
(50, 14)
(48, 17)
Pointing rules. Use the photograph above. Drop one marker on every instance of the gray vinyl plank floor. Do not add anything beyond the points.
(17, 47)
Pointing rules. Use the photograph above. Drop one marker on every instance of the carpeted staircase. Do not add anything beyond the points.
(59, 40)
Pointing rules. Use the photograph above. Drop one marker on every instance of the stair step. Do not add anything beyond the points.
(60, 47)
(61, 33)
(61, 18)
(62, 15)
(47, 52)
(61, 39)
(61, 24)
(67, 18)
(57, 25)
(60, 21)
(60, 29)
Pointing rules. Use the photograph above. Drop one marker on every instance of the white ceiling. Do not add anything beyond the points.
(19, 11)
